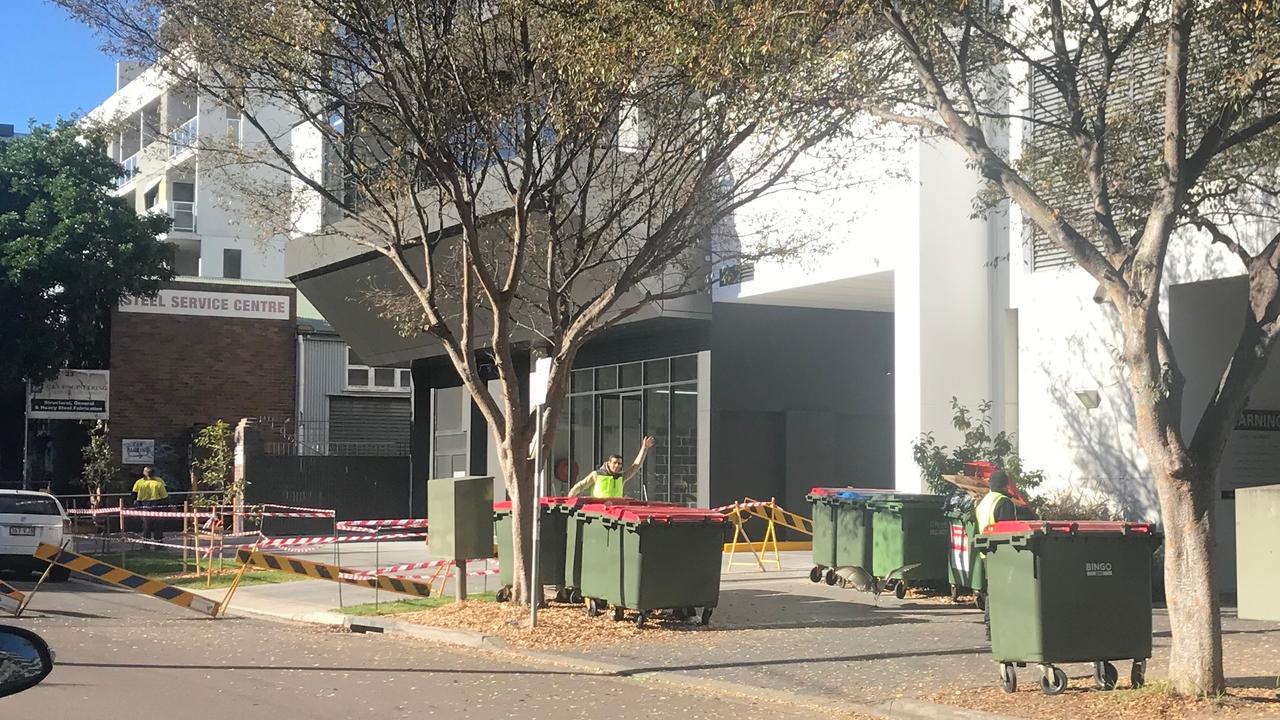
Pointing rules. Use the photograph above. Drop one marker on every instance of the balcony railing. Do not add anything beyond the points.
(183, 213)
(130, 165)
(185, 136)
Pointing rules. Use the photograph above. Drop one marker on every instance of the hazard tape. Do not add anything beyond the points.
(331, 539)
(367, 525)
(734, 506)
(333, 573)
(166, 514)
(92, 511)
(397, 569)
(126, 579)
(11, 599)
(319, 512)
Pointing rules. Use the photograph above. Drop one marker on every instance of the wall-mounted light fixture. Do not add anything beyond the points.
(1090, 399)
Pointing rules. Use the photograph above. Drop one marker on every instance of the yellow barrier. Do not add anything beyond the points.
(126, 579)
(11, 599)
(773, 515)
(334, 573)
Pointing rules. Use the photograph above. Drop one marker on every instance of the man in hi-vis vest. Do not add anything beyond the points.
(610, 480)
(995, 506)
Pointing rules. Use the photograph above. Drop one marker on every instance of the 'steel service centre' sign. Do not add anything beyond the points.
(171, 301)
(73, 395)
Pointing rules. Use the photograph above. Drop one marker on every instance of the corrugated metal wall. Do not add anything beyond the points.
(369, 425)
(324, 367)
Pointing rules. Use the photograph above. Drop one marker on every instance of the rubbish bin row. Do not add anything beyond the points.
(623, 553)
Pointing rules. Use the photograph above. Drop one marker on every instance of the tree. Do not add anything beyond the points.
(69, 250)
(536, 172)
(1154, 122)
(214, 466)
(979, 444)
(99, 465)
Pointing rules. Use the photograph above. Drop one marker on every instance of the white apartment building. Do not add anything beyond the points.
(158, 129)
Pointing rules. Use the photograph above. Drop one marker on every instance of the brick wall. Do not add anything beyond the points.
(170, 372)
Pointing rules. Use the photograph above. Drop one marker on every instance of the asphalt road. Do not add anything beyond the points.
(121, 655)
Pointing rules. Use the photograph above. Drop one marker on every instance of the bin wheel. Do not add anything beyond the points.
(1138, 674)
(900, 589)
(562, 595)
(955, 593)
(503, 594)
(815, 575)
(831, 576)
(641, 617)
(706, 616)
(594, 607)
(690, 613)
(1054, 681)
(1008, 677)
(1105, 675)
(617, 614)
(980, 600)
(575, 596)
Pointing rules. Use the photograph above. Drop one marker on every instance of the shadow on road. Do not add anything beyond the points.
(310, 668)
(801, 661)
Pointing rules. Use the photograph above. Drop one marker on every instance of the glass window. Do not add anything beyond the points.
(684, 445)
(28, 505)
(631, 375)
(384, 377)
(404, 378)
(657, 414)
(607, 378)
(684, 368)
(583, 443)
(230, 263)
(357, 377)
(583, 381)
(561, 461)
(657, 371)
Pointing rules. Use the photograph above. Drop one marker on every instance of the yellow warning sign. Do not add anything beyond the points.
(126, 579)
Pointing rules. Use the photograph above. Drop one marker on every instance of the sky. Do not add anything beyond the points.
(50, 64)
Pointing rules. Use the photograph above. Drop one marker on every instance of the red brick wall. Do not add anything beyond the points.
(169, 372)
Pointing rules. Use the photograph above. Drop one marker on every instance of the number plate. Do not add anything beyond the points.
(14, 530)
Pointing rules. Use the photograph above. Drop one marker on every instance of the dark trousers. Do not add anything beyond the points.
(151, 526)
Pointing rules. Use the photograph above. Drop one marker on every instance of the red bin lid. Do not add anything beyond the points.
(1068, 527)
(654, 513)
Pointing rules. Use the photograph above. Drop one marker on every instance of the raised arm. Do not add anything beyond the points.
(635, 466)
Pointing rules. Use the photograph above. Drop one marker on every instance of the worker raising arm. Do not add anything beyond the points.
(609, 481)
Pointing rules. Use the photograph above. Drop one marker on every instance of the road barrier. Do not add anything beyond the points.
(333, 573)
(374, 525)
(124, 578)
(11, 599)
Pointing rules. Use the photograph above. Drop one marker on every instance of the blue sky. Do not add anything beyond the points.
(50, 64)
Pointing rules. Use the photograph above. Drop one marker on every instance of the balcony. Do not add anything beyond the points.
(184, 138)
(130, 165)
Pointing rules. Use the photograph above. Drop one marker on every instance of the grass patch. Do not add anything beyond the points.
(168, 568)
(412, 605)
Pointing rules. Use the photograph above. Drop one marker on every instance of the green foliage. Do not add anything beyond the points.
(979, 444)
(214, 466)
(1072, 504)
(99, 467)
(69, 250)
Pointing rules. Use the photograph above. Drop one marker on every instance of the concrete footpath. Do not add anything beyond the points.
(777, 636)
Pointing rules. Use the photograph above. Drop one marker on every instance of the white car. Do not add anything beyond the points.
(28, 518)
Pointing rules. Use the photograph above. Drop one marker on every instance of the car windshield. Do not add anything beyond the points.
(28, 505)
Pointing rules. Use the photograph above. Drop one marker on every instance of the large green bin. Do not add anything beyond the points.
(646, 558)
(854, 542)
(909, 529)
(551, 544)
(1062, 591)
(823, 511)
(966, 567)
(569, 507)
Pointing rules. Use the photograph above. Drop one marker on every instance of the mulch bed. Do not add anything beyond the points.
(1082, 700)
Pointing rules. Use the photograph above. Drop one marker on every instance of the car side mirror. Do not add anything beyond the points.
(25, 660)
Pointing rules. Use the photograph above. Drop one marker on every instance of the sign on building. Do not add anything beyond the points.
(1252, 453)
(175, 301)
(137, 452)
(73, 395)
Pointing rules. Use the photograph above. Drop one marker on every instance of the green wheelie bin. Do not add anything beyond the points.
(551, 546)
(824, 509)
(910, 540)
(1066, 592)
(966, 567)
(646, 558)
(569, 507)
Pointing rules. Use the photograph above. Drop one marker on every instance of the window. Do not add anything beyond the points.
(231, 263)
(234, 125)
(383, 379)
(183, 206)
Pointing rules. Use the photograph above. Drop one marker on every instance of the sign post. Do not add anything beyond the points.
(538, 381)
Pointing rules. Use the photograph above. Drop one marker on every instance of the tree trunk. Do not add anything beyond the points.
(1195, 661)
(519, 476)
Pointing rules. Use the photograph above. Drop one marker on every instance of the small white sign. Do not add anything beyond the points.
(73, 395)
(137, 452)
(538, 381)
(175, 301)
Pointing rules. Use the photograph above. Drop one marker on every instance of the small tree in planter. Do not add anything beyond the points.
(214, 466)
(979, 444)
(99, 467)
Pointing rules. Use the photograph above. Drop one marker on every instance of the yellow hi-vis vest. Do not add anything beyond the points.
(985, 512)
(607, 486)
